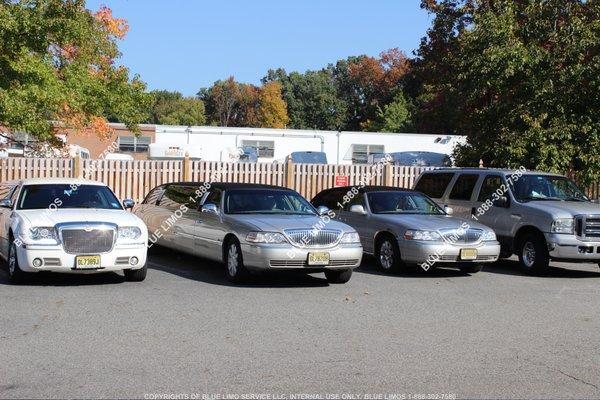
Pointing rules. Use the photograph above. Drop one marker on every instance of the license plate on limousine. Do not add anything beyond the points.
(320, 258)
(87, 262)
(468, 254)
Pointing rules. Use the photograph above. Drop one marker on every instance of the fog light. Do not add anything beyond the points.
(133, 260)
(37, 262)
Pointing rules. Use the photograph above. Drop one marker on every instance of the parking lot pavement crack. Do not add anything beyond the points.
(578, 379)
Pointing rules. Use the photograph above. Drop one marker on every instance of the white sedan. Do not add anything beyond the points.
(71, 226)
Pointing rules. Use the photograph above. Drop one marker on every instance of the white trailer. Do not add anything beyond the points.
(219, 143)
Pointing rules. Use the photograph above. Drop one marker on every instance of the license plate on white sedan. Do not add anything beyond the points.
(320, 258)
(468, 254)
(87, 262)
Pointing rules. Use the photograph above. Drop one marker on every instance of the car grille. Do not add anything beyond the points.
(313, 237)
(464, 236)
(447, 257)
(304, 263)
(587, 226)
(82, 241)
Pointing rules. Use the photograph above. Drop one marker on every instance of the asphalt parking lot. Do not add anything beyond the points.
(185, 330)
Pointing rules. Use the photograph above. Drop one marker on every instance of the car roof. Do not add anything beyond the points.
(53, 181)
(370, 188)
(230, 185)
(486, 170)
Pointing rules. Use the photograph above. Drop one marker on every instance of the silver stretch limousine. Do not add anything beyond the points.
(250, 227)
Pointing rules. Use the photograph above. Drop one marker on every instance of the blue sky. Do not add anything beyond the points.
(185, 45)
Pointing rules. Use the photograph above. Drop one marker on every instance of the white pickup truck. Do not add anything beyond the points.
(70, 226)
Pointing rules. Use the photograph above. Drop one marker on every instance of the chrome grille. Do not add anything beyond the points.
(464, 236)
(313, 237)
(587, 226)
(304, 263)
(90, 240)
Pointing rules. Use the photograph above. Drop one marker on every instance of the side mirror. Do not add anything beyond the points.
(448, 210)
(322, 210)
(128, 204)
(210, 208)
(6, 203)
(502, 202)
(357, 208)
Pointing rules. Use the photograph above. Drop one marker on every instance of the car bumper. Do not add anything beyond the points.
(273, 257)
(55, 259)
(420, 252)
(569, 248)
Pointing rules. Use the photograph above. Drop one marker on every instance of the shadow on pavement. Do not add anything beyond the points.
(369, 266)
(56, 279)
(208, 271)
(511, 267)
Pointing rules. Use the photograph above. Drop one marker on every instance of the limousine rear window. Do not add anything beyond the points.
(250, 201)
(61, 196)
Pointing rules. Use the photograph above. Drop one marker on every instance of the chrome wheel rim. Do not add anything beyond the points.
(386, 255)
(528, 254)
(232, 260)
(12, 259)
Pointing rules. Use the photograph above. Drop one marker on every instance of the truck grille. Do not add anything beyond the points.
(465, 236)
(587, 226)
(86, 241)
(313, 237)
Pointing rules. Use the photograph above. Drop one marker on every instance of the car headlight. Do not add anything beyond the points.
(562, 225)
(127, 233)
(422, 235)
(265, 237)
(350, 237)
(42, 233)
(489, 236)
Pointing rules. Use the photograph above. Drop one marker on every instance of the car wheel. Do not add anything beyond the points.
(533, 254)
(470, 268)
(236, 271)
(338, 276)
(15, 274)
(135, 275)
(388, 255)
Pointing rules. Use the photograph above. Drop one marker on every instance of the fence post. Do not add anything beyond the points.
(77, 171)
(388, 179)
(186, 168)
(289, 169)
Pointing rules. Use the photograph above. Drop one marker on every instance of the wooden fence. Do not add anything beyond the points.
(134, 179)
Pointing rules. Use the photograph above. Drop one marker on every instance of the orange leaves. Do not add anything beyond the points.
(80, 121)
(116, 27)
(99, 126)
(272, 107)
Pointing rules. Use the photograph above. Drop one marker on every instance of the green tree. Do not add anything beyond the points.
(396, 116)
(57, 64)
(172, 108)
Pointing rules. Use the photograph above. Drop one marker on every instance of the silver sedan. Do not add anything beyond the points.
(403, 227)
(250, 227)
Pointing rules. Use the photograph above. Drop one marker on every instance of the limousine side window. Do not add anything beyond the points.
(463, 187)
(358, 199)
(490, 185)
(5, 191)
(154, 195)
(329, 199)
(177, 195)
(434, 185)
(214, 197)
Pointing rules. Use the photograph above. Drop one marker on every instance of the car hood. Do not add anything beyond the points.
(431, 222)
(564, 208)
(278, 223)
(48, 217)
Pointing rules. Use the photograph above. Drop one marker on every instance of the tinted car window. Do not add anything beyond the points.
(328, 199)
(177, 195)
(214, 197)
(154, 195)
(5, 191)
(357, 199)
(261, 201)
(434, 185)
(489, 186)
(35, 197)
(463, 187)
(402, 203)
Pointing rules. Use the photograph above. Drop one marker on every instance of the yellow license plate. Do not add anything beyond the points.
(318, 258)
(468, 254)
(84, 262)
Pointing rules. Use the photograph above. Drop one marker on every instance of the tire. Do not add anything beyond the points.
(234, 263)
(388, 255)
(15, 274)
(338, 276)
(533, 254)
(135, 275)
(470, 268)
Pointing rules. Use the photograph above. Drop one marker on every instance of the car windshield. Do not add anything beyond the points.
(546, 187)
(266, 201)
(61, 196)
(402, 203)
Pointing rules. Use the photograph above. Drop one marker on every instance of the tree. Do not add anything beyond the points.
(272, 109)
(230, 103)
(172, 108)
(312, 99)
(523, 84)
(57, 64)
(396, 116)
